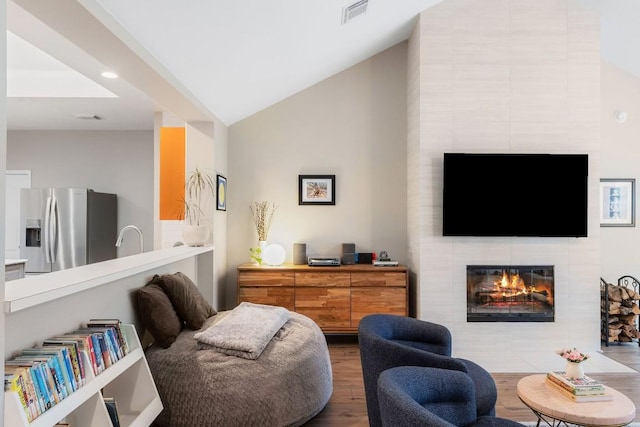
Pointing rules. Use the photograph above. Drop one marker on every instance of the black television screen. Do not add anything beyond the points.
(515, 195)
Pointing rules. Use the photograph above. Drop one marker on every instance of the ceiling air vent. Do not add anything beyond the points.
(353, 11)
(87, 117)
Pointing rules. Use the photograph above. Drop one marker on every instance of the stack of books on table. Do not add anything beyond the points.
(585, 389)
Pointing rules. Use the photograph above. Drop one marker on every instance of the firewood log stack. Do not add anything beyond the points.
(623, 310)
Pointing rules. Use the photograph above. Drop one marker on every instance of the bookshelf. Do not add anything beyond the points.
(129, 381)
(67, 298)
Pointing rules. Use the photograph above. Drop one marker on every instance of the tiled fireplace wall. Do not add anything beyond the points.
(502, 76)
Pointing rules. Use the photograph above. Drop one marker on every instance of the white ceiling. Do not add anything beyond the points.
(233, 59)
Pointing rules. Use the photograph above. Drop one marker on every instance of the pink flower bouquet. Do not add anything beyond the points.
(572, 355)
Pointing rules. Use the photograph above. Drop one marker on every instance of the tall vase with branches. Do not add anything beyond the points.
(262, 213)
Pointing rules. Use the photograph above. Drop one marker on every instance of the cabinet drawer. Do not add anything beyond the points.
(13, 274)
(265, 278)
(328, 307)
(390, 278)
(279, 296)
(387, 300)
(323, 279)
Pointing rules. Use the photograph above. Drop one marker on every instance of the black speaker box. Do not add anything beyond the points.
(348, 253)
(348, 259)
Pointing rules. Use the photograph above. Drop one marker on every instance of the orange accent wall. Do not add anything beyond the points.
(172, 169)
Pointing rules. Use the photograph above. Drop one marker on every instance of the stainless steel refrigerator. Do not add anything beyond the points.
(63, 228)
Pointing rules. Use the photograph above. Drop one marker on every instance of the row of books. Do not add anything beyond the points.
(44, 375)
(584, 389)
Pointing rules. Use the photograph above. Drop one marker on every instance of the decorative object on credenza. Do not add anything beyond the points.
(617, 202)
(200, 189)
(574, 359)
(364, 257)
(348, 253)
(274, 254)
(316, 189)
(384, 260)
(299, 253)
(262, 213)
(221, 194)
(255, 254)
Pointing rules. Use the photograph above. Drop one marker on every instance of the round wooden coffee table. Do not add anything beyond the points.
(553, 408)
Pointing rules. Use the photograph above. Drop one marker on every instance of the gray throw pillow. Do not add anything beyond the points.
(187, 299)
(157, 314)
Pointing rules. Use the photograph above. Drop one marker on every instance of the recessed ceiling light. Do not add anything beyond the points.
(109, 75)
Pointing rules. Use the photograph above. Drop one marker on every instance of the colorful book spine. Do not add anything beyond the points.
(117, 325)
(584, 386)
(76, 361)
(15, 384)
(85, 343)
(95, 347)
(39, 394)
(62, 370)
(580, 399)
(39, 368)
(584, 382)
(577, 391)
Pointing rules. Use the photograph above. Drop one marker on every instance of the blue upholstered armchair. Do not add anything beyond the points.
(387, 341)
(416, 396)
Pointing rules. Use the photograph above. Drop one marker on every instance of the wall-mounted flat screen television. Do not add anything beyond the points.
(541, 195)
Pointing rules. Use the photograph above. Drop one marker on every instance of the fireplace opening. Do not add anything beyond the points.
(519, 293)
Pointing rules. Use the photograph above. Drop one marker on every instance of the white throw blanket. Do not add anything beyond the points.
(245, 331)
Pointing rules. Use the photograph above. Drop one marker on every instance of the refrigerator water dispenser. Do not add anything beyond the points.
(33, 233)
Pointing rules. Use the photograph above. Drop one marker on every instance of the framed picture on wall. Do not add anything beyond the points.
(316, 189)
(617, 202)
(221, 193)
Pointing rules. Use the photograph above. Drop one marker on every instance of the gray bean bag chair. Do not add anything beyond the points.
(288, 384)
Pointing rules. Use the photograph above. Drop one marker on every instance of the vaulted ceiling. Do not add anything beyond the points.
(229, 59)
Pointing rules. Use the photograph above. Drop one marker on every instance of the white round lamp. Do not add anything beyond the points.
(274, 254)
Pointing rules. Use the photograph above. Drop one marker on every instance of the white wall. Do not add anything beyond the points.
(511, 76)
(620, 159)
(220, 219)
(118, 162)
(352, 125)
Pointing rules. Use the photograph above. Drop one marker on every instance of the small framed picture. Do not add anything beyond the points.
(617, 202)
(316, 189)
(221, 193)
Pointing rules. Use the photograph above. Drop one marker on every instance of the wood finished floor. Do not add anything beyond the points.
(347, 406)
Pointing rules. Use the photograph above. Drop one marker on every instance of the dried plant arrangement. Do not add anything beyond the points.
(262, 213)
(198, 185)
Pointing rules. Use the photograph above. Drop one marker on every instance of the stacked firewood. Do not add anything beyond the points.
(623, 311)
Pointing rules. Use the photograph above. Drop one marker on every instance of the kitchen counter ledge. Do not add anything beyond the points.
(34, 290)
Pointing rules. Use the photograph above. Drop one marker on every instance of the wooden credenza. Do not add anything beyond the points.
(336, 298)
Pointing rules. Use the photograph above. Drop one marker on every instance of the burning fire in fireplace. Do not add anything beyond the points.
(510, 293)
(513, 288)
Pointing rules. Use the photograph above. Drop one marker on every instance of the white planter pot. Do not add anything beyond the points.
(195, 235)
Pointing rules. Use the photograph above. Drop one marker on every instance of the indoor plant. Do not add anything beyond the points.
(199, 189)
(574, 359)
